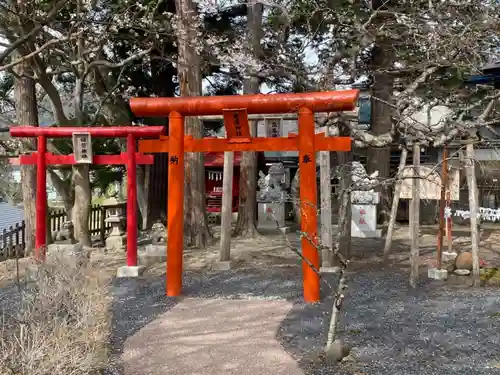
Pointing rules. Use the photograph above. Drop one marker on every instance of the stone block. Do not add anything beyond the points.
(64, 248)
(364, 221)
(130, 271)
(329, 269)
(377, 233)
(73, 255)
(223, 265)
(32, 273)
(437, 274)
(461, 281)
(153, 254)
(286, 230)
(271, 215)
(449, 257)
(144, 242)
(116, 242)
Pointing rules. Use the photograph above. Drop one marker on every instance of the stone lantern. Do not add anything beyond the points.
(117, 238)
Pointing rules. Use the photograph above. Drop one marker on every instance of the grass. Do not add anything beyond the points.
(490, 276)
(58, 324)
(355, 332)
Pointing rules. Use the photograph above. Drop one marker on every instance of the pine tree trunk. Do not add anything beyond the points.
(246, 224)
(379, 159)
(162, 86)
(188, 69)
(27, 114)
(81, 177)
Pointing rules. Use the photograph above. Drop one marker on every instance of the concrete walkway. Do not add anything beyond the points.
(212, 337)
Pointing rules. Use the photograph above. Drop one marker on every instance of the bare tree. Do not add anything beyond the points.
(76, 73)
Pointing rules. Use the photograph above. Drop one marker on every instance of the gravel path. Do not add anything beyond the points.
(395, 330)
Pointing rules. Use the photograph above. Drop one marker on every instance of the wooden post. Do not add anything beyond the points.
(442, 205)
(449, 225)
(473, 206)
(308, 204)
(175, 225)
(326, 207)
(227, 207)
(415, 217)
(395, 204)
(102, 225)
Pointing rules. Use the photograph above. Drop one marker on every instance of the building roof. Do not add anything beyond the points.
(216, 159)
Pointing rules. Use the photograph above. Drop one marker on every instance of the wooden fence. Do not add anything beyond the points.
(13, 240)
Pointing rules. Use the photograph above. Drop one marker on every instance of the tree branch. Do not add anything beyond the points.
(37, 51)
(20, 41)
(111, 65)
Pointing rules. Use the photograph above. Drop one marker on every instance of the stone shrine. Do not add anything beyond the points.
(271, 198)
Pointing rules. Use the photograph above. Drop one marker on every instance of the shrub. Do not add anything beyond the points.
(57, 324)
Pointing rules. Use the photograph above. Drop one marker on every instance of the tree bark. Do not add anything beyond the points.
(162, 86)
(188, 70)
(65, 191)
(27, 114)
(81, 208)
(81, 175)
(379, 159)
(246, 224)
(143, 175)
(81, 180)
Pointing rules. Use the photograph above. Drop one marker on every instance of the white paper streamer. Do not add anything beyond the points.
(489, 214)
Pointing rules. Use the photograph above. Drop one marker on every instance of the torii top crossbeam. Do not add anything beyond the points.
(329, 101)
(235, 110)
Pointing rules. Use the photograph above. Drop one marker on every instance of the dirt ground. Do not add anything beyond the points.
(275, 250)
(267, 268)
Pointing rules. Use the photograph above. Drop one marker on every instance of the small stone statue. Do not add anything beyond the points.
(66, 235)
(274, 180)
(277, 176)
(263, 181)
(159, 234)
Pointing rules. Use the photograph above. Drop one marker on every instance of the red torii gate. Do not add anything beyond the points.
(41, 158)
(235, 110)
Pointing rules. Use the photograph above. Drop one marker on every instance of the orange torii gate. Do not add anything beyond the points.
(235, 110)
